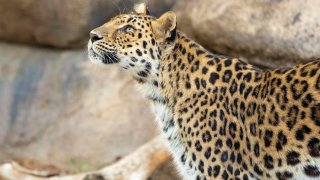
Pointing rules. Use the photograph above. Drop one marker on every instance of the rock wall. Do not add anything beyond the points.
(266, 32)
(61, 23)
(58, 108)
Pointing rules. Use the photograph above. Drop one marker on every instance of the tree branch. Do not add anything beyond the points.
(138, 165)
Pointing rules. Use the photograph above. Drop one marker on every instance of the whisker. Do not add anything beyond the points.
(115, 4)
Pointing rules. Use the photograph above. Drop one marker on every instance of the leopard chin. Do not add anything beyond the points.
(105, 58)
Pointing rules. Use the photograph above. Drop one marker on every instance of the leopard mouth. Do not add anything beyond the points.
(105, 58)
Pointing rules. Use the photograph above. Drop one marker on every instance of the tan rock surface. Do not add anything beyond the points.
(267, 32)
(58, 108)
(61, 23)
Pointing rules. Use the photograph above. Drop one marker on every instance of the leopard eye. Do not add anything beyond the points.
(127, 29)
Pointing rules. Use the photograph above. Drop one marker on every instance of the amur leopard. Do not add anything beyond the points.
(222, 118)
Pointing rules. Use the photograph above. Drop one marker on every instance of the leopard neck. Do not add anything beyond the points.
(173, 74)
(176, 68)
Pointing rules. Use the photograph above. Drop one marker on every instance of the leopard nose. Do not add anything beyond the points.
(95, 37)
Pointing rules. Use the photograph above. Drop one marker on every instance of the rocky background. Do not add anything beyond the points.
(57, 108)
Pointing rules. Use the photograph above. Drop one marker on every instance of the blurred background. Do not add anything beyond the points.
(57, 108)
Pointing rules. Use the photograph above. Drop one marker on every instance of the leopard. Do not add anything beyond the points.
(221, 117)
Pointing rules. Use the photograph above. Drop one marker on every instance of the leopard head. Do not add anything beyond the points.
(135, 41)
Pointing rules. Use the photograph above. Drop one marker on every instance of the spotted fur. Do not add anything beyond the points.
(222, 118)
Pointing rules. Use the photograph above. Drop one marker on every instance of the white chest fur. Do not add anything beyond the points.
(170, 132)
(169, 129)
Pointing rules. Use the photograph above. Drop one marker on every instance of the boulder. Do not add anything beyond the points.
(61, 23)
(266, 32)
(58, 108)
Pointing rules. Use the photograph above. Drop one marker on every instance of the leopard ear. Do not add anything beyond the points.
(166, 26)
(141, 8)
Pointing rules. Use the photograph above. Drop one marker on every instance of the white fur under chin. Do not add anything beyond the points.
(93, 58)
(163, 117)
